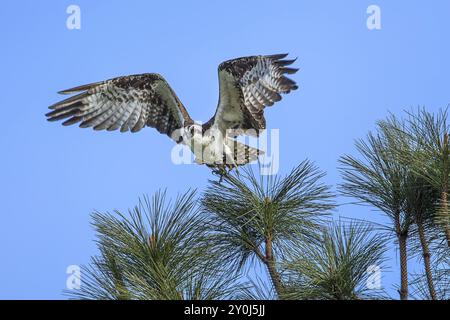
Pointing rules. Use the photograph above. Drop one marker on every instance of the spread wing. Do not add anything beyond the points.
(247, 86)
(242, 153)
(125, 103)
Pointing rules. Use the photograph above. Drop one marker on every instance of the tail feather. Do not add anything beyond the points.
(242, 153)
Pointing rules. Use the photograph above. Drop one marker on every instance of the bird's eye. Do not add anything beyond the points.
(191, 130)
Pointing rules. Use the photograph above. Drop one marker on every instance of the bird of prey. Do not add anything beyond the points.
(130, 103)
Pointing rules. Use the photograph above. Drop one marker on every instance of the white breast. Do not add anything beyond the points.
(208, 148)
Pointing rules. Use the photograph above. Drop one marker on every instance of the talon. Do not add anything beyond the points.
(220, 171)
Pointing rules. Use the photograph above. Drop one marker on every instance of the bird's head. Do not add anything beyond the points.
(192, 132)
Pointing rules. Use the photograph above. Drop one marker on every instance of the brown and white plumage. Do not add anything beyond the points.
(247, 86)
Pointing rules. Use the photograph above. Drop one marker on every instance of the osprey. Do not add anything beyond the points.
(247, 86)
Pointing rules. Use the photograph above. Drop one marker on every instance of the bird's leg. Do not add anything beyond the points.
(233, 165)
(237, 170)
(230, 167)
(223, 172)
(220, 171)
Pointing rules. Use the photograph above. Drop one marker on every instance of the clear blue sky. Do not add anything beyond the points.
(52, 177)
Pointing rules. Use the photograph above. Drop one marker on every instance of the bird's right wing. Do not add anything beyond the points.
(125, 103)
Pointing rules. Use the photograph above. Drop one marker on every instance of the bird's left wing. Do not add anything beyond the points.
(125, 103)
(247, 86)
